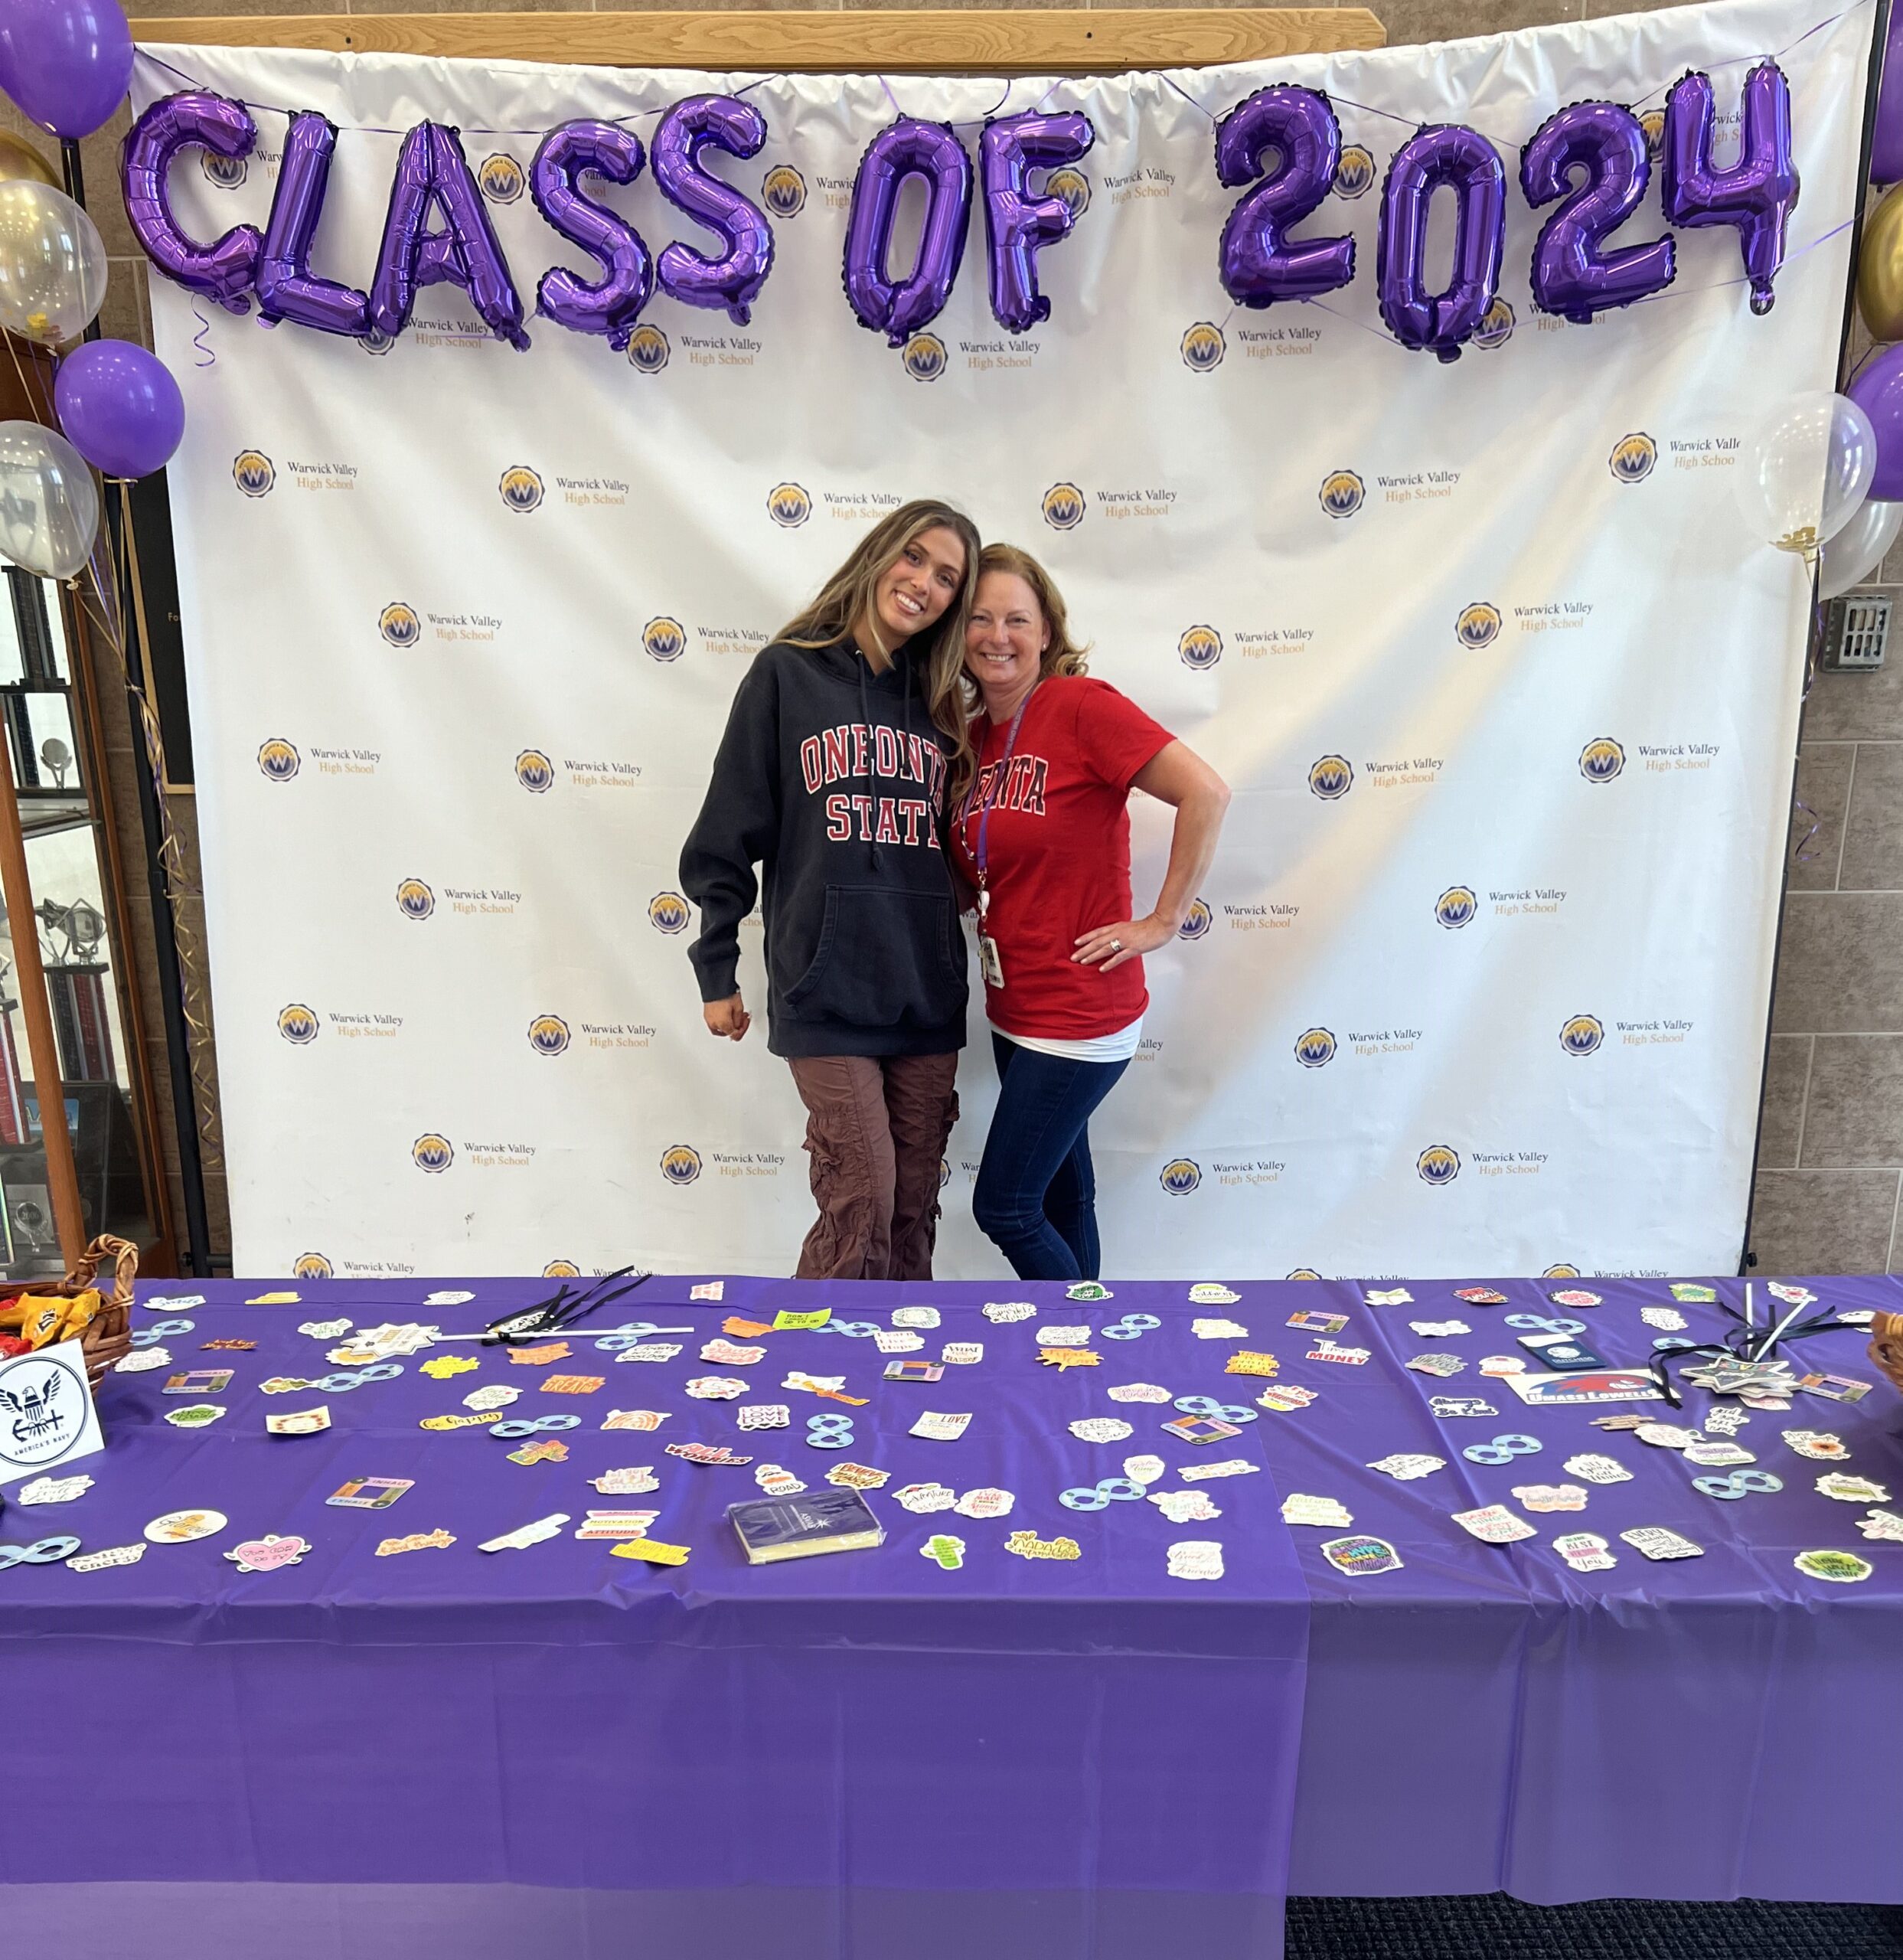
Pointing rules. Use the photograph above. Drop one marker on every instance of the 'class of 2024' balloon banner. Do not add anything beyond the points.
(1280, 147)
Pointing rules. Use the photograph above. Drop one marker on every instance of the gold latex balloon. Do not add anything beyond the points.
(19, 159)
(1880, 270)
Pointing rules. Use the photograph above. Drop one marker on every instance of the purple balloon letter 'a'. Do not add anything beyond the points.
(431, 170)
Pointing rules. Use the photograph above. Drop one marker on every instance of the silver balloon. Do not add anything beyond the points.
(52, 264)
(1859, 548)
(49, 504)
(1804, 474)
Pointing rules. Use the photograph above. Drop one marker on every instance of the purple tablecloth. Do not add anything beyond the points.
(867, 1754)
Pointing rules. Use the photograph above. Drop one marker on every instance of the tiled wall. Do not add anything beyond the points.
(1831, 1148)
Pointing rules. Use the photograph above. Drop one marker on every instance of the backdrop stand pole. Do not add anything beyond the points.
(164, 935)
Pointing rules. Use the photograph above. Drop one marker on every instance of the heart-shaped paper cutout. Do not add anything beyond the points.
(267, 1554)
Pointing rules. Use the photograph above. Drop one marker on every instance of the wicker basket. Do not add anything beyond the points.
(108, 1336)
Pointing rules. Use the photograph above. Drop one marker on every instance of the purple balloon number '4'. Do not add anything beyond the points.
(908, 148)
(1017, 226)
(67, 63)
(433, 171)
(1757, 194)
(223, 271)
(734, 279)
(287, 288)
(1259, 264)
(612, 304)
(1571, 275)
(1441, 154)
(119, 407)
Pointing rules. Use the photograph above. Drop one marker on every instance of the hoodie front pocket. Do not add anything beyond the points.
(884, 960)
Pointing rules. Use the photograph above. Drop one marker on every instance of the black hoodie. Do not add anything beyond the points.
(833, 777)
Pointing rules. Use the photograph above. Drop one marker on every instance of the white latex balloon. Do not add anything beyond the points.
(49, 504)
(1806, 472)
(52, 264)
(1857, 550)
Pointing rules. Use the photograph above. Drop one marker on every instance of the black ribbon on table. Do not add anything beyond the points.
(1747, 1343)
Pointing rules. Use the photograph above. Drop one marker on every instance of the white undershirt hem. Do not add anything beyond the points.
(1117, 1047)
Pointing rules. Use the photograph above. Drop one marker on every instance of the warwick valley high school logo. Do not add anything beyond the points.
(1343, 493)
(251, 471)
(1456, 906)
(520, 488)
(432, 1153)
(311, 1265)
(1063, 506)
(680, 1164)
(278, 759)
(667, 912)
(648, 349)
(548, 1034)
(1180, 1176)
(788, 505)
(1199, 647)
(783, 190)
(535, 771)
(297, 1025)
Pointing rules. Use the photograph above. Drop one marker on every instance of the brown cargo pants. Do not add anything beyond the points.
(876, 1130)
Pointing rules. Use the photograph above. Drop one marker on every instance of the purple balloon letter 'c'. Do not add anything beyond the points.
(222, 271)
(431, 170)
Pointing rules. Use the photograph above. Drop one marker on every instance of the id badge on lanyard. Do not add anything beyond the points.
(990, 962)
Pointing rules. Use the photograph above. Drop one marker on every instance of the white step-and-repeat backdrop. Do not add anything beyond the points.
(1507, 690)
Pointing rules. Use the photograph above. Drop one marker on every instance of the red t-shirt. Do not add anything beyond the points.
(1057, 845)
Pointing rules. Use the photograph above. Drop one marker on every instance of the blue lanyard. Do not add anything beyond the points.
(982, 855)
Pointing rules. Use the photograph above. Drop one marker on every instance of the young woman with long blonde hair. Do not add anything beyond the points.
(832, 777)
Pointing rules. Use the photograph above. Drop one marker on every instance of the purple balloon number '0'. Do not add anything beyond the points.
(610, 305)
(1571, 275)
(287, 288)
(908, 148)
(1259, 265)
(1441, 154)
(224, 270)
(1017, 226)
(119, 407)
(1757, 193)
(734, 279)
(433, 171)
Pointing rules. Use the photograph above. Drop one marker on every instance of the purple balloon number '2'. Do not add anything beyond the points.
(610, 305)
(1758, 193)
(908, 148)
(1441, 154)
(224, 270)
(1259, 264)
(432, 171)
(287, 288)
(1571, 275)
(734, 279)
(1017, 226)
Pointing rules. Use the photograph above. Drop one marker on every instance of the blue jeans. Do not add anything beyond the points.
(1036, 1194)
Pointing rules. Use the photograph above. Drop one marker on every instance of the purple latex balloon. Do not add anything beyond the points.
(287, 288)
(1886, 146)
(1571, 275)
(1878, 390)
(905, 148)
(119, 407)
(1443, 153)
(613, 304)
(65, 62)
(1758, 193)
(1259, 265)
(222, 271)
(1017, 226)
(431, 170)
(734, 279)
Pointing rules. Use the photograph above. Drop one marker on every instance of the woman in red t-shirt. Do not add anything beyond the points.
(1042, 834)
